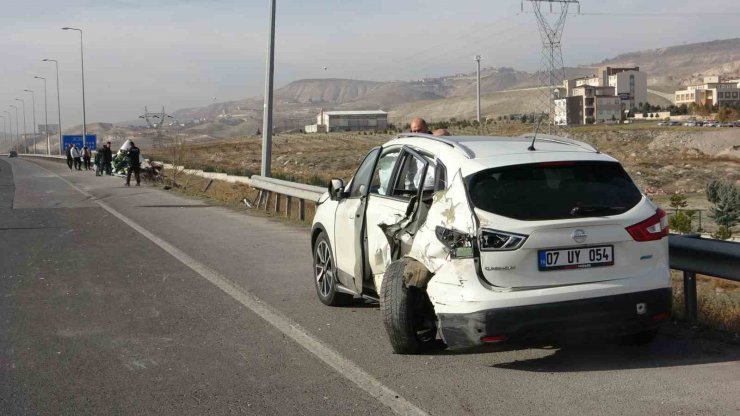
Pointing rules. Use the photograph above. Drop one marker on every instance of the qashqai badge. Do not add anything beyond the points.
(579, 236)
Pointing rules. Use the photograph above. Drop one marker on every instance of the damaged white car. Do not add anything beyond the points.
(481, 240)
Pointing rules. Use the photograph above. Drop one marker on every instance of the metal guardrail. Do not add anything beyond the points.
(278, 187)
(693, 254)
(690, 254)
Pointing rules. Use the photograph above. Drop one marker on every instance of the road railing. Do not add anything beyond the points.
(271, 189)
(694, 255)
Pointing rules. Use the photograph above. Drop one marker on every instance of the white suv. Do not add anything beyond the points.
(481, 240)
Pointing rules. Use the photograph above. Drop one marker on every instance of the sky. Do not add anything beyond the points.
(188, 53)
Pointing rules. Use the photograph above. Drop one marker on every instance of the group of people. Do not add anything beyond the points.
(79, 157)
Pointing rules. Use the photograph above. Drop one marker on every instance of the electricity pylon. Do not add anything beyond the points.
(552, 72)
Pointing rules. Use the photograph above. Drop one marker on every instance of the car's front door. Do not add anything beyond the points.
(348, 225)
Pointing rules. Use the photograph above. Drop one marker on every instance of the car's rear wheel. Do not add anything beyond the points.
(408, 314)
(325, 274)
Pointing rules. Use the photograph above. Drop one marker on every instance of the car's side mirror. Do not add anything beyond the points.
(336, 189)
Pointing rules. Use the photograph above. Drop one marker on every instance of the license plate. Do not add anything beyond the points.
(576, 258)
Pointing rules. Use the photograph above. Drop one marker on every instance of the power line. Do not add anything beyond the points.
(661, 14)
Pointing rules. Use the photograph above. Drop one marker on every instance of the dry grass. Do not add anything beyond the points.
(718, 301)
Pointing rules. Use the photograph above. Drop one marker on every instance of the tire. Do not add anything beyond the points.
(408, 314)
(325, 274)
(639, 338)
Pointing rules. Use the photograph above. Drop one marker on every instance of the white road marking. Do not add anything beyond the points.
(325, 353)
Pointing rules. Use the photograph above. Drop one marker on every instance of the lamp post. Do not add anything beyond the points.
(33, 101)
(25, 132)
(10, 124)
(17, 134)
(59, 106)
(477, 60)
(269, 77)
(5, 128)
(82, 64)
(46, 117)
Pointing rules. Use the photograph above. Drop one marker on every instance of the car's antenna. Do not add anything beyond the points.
(531, 146)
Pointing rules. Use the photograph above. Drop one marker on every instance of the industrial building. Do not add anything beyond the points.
(712, 91)
(329, 121)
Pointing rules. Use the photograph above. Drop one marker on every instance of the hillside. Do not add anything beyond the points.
(505, 91)
(676, 64)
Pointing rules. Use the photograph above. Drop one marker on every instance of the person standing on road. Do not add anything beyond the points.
(77, 156)
(133, 164)
(69, 156)
(107, 159)
(86, 155)
(99, 162)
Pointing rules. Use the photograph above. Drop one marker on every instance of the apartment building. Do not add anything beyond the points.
(629, 83)
(588, 103)
(712, 91)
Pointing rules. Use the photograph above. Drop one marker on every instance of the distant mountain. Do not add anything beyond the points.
(679, 64)
(505, 90)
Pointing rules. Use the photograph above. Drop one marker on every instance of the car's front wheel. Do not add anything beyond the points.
(408, 314)
(325, 274)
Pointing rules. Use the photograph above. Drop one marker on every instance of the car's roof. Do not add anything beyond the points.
(472, 153)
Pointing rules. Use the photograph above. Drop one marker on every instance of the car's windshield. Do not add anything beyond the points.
(554, 190)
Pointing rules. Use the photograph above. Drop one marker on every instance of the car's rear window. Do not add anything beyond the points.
(554, 190)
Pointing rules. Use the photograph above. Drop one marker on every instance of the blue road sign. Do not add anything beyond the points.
(69, 139)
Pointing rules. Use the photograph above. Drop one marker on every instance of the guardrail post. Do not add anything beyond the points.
(288, 205)
(277, 203)
(302, 209)
(689, 296)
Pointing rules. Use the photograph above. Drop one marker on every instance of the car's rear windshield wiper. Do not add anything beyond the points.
(594, 209)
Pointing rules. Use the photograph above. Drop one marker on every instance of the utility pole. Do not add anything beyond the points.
(46, 118)
(59, 106)
(267, 118)
(25, 132)
(10, 124)
(82, 65)
(477, 60)
(552, 70)
(17, 133)
(33, 101)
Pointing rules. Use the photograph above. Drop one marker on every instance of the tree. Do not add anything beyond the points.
(725, 197)
(678, 201)
(680, 222)
(723, 115)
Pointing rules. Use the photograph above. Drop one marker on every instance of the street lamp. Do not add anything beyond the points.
(17, 134)
(477, 60)
(46, 117)
(33, 100)
(10, 124)
(82, 62)
(59, 106)
(269, 78)
(5, 128)
(25, 132)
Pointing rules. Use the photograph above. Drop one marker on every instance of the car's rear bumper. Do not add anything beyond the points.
(602, 316)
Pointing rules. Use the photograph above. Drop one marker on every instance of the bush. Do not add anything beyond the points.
(725, 197)
(680, 222)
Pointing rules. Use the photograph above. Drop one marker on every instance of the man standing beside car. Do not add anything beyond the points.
(134, 164)
(107, 159)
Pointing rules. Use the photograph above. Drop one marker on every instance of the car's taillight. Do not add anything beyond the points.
(653, 228)
(493, 240)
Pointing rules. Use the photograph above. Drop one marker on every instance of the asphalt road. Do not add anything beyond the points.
(117, 300)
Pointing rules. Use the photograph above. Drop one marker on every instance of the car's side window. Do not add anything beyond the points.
(383, 171)
(361, 180)
(409, 177)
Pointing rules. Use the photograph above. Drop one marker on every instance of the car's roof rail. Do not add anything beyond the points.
(442, 139)
(561, 140)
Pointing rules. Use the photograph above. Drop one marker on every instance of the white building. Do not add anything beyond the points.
(630, 84)
(328, 121)
(712, 91)
(588, 104)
